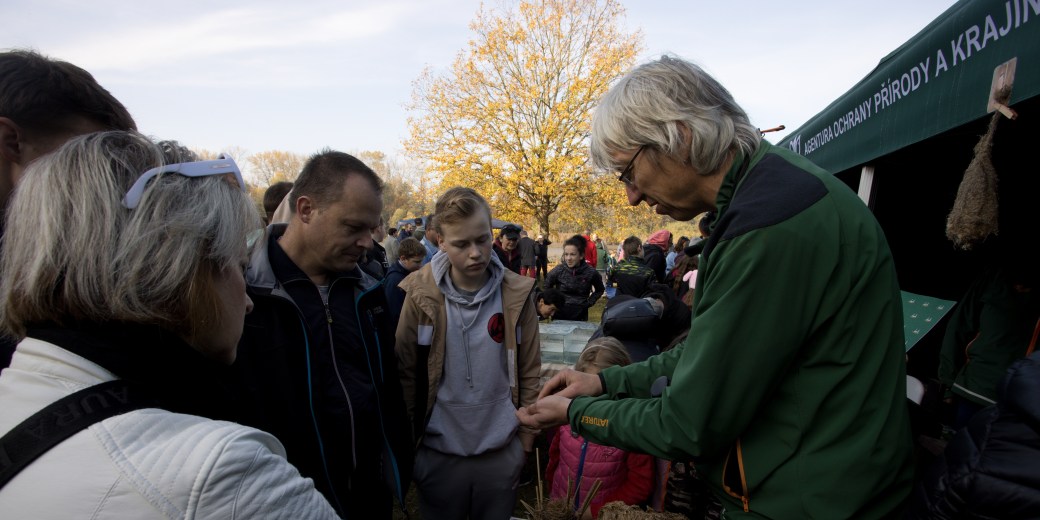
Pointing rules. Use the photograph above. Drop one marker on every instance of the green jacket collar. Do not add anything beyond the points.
(736, 175)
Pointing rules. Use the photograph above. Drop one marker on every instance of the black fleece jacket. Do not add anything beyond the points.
(323, 379)
(991, 468)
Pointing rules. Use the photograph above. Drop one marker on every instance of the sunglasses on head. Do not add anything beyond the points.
(223, 165)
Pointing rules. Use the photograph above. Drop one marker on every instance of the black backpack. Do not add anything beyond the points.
(633, 321)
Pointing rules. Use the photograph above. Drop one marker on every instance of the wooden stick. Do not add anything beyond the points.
(588, 498)
(1006, 110)
(538, 474)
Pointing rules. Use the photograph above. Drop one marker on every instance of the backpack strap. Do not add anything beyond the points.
(64, 418)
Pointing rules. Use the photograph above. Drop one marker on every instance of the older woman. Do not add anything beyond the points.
(123, 273)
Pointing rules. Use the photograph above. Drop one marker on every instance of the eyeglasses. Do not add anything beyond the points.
(626, 174)
(222, 166)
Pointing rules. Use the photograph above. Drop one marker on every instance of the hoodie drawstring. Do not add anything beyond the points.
(465, 339)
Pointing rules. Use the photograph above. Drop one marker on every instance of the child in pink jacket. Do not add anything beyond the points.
(623, 475)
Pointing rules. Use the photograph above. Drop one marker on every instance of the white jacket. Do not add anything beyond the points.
(148, 463)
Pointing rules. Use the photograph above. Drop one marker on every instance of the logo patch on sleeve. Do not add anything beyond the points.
(497, 328)
(595, 421)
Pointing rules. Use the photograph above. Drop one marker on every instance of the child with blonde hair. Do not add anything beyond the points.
(575, 464)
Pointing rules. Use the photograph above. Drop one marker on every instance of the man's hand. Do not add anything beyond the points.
(545, 413)
(570, 383)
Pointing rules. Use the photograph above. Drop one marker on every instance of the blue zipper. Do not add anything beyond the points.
(581, 469)
(314, 417)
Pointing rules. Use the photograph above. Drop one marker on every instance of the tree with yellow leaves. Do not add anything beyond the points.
(275, 165)
(402, 185)
(511, 118)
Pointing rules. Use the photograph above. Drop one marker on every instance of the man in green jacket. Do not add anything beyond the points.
(790, 390)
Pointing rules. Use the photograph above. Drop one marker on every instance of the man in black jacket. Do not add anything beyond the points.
(528, 255)
(375, 262)
(316, 360)
(542, 260)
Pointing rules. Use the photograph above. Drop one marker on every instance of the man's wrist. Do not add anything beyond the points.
(602, 384)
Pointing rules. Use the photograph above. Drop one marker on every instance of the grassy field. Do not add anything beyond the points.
(596, 311)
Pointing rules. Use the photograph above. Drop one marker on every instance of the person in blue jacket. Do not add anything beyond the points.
(410, 257)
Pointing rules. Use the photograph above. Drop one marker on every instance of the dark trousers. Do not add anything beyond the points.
(479, 487)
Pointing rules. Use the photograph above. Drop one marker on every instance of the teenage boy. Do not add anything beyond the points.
(468, 355)
(410, 255)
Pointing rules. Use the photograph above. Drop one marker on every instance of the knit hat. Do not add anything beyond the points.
(660, 238)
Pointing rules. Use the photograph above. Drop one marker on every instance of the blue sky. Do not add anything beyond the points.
(273, 75)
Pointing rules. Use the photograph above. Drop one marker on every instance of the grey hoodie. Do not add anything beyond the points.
(474, 411)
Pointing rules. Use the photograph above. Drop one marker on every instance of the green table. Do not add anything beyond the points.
(920, 314)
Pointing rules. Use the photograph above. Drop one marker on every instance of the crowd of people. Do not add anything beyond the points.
(167, 355)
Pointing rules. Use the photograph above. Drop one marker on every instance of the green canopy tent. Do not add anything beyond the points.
(904, 135)
(937, 81)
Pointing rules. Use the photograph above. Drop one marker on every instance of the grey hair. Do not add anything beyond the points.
(656, 102)
(73, 252)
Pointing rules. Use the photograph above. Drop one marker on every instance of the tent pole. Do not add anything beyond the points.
(866, 185)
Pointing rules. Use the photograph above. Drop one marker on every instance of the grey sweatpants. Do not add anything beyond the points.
(480, 487)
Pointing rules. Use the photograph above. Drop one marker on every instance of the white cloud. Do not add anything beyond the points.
(228, 32)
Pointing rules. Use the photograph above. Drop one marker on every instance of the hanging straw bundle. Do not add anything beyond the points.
(975, 213)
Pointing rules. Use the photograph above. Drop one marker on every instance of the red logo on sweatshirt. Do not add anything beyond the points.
(497, 328)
